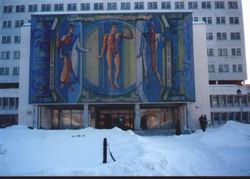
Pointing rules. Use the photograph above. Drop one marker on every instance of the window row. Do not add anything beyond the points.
(224, 68)
(219, 118)
(7, 39)
(223, 52)
(123, 6)
(222, 101)
(219, 20)
(5, 71)
(8, 103)
(8, 24)
(223, 36)
(6, 55)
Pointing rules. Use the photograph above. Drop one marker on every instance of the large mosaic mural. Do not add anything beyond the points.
(102, 58)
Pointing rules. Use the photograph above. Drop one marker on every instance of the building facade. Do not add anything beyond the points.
(224, 44)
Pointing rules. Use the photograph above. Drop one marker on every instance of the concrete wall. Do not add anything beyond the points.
(202, 105)
(26, 111)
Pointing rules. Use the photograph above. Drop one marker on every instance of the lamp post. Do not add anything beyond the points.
(239, 95)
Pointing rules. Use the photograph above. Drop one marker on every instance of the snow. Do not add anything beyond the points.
(223, 151)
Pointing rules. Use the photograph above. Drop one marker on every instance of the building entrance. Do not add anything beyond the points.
(111, 116)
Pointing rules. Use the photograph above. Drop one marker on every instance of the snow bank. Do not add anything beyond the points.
(222, 151)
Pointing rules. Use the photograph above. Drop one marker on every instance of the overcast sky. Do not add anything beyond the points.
(246, 18)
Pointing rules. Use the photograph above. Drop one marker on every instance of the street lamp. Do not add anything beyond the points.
(239, 95)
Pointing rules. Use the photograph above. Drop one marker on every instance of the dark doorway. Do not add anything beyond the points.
(110, 116)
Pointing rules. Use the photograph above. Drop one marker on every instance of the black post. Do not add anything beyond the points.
(104, 150)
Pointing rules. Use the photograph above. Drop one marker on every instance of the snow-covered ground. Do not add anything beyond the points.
(222, 151)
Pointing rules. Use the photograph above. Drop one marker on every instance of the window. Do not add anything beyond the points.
(237, 68)
(211, 69)
(232, 5)
(222, 52)
(207, 20)
(223, 101)
(221, 36)
(214, 100)
(236, 52)
(152, 5)
(179, 5)
(195, 19)
(193, 5)
(234, 20)
(220, 20)
(85, 6)
(6, 24)
(219, 5)
(98, 6)
(20, 8)
(210, 36)
(45, 7)
(58, 7)
(19, 23)
(71, 7)
(5, 55)
(230, 100)
(4, 71)
(210, 52)
(6, 39)
(125, 5)
(7, 9)
(17, 39)
(112, 6)
(235, 36)
(15, 71)
(166, 5)
(139, 5)
(16, 55)
(206, 5)
(224, 68)
(33, 8)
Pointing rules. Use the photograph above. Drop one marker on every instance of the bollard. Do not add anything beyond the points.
(104, 150)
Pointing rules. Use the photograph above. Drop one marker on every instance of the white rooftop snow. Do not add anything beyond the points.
(223, 151)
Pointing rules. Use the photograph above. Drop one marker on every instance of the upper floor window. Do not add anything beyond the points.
(166, 5)
(236, 52)
(210, 52)
(139, 5)
(219, 5)
(193, 5)
(152, 5)
(85, 6)
(237, 68)
(17, 39)
(179, 5)
(232, 5)
(207, 20)
(206, 5)
(195, 19)
(111, 6)
(211, 68)
(4, 71)
(234, 20)
(33, 8)
(235, 36)
(7, 9)
(98, 6)
(221, 36)
(19, 23)
(45, 7)
(20, 8)
(5, 55)
(6, 24)
(6, 39)
(58, 7)
(16, 55)
(223, 68)
(72, 7)
(15, 71)
(125, 5)
(210, 36)
(220, 20)
(222, 52)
